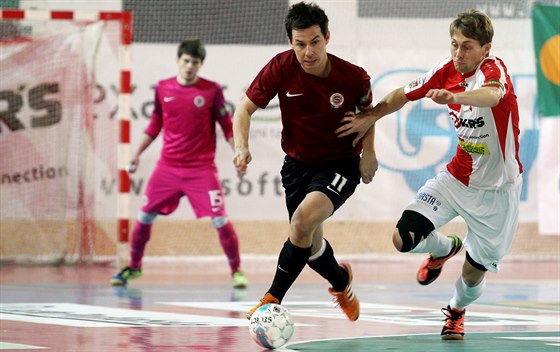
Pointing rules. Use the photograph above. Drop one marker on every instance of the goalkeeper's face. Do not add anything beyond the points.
(188, 68)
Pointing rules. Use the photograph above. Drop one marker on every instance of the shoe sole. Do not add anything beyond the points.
(452, 337)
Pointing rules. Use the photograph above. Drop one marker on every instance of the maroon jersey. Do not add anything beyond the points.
(312, 106)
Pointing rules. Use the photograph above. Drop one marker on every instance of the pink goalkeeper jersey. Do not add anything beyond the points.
(188, 116)
(488, 138)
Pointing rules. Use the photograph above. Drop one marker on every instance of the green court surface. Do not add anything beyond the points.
(474, 342)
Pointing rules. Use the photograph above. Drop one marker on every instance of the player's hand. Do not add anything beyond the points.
(241, 158)
(352, 123)
(441, 96)
(368, 167)
(132, 166)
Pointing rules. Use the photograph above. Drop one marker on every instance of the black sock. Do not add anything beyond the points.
(291, 262)
(327, 266)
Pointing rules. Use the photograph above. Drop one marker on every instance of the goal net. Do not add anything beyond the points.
(59, 135)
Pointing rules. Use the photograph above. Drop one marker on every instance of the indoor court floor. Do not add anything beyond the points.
(189, 305)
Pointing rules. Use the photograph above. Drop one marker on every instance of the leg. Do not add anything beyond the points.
(228, 241)
(468, 288)
(230, 244)
(324, 263)
(162, 194)
(306, 220)
(140, 236)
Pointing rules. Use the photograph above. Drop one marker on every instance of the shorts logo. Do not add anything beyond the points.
(429, 200)
(337, 100)
(198, 101)
(337, 184)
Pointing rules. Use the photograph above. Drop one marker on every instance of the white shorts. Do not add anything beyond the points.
(491, 215)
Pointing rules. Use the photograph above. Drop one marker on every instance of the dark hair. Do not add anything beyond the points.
(194, 48)
(302, 15)
(473, 24)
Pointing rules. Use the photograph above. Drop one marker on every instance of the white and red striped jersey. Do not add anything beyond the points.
(488, 138)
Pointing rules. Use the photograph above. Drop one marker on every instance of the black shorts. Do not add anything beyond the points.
(336, 179)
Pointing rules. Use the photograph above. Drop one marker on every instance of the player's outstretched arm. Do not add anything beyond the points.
(241, 125)
(482, 97)
(361, 123)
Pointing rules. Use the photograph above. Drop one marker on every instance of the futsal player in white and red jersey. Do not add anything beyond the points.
(187, 108)
(320, 170)
(482, 182)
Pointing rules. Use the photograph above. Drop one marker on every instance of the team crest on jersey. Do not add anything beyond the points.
(337, 100)
(412, 85)
(198, 101)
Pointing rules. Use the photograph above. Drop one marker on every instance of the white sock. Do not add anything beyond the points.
(436, 243)
(465, 295)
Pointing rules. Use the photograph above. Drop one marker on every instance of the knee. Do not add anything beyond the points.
(219, 221)
(397, 240)
(411, 229)
(300, 233)
(146, 218)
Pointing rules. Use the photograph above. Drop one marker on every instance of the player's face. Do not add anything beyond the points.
(310, 47)
(188, 68)
(467, 53)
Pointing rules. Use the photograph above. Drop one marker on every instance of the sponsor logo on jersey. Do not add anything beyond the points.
(474, 148)
(198, 101)
(468, 123)
(337, 100)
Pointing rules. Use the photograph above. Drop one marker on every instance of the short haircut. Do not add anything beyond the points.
(473, 24)
(193, 47)
(303, 15)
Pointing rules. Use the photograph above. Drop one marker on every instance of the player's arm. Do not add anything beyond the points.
(144, 144)
(361, 123)
(368, 160)
(241, 125)
(488, 96)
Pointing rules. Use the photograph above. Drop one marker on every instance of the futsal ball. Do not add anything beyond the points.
(271, 326)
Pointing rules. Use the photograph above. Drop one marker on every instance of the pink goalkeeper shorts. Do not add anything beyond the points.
(200, 185)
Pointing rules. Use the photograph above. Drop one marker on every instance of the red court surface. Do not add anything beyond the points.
(189, 306)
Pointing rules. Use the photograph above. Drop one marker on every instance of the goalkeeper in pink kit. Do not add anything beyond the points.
(186, 108)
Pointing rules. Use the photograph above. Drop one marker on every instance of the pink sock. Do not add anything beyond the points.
(140, 236)
(230, 245)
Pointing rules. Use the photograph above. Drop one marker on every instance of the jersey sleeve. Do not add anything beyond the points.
(156, 120)
(494, 75)
(266, 85)
(221, 113)
(418, 88)
(366, 99)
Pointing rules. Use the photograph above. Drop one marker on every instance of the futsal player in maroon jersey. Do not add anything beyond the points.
(320, 171)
